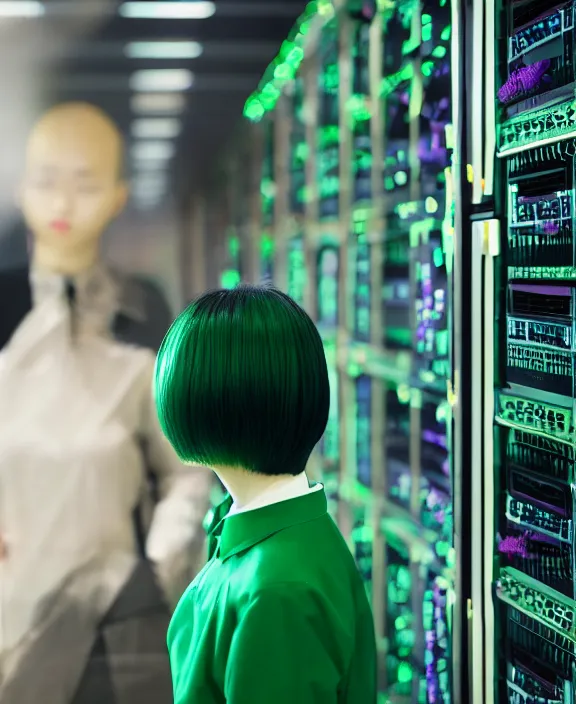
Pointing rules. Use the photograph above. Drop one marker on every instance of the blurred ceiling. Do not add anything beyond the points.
(177, 127)
(29, 48)
(195, 117)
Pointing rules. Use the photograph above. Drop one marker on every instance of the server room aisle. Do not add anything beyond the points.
(413, 189)
(355, 217)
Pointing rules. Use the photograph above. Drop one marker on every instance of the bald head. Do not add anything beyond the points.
(78, 128)
(72, 187)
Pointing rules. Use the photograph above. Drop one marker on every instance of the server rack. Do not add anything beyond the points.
(533, 448)
(360, 115)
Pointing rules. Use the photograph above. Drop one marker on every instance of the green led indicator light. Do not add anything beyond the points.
(400, 623)
(267, 247)
(403, 393)
(230, 279)
(405, 672)
(286, 64)
(234, 247)
(442, 548)
(438, 257)
(401, 178)
(427, 68)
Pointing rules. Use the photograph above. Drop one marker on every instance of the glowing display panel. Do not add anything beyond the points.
(328, 157)
(296, 269)
(360, 114)
(360, 251)
(364, 430)
(266, 259)
(435, 497)
(267, 183)
(232, 275)
(328, 266)
(298, 150)
(396, 289)
(417, 665)
(327, 273)
(541, 213)
(330, 441)
(400, 623)
(362, 537)
(397, 450)
(540, 337)
(431, 302)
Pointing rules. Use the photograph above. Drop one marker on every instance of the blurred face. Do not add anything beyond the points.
(71, 189)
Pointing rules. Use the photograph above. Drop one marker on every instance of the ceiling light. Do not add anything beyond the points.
(150, 166)
(163, 50)
(156, 128)
(168, 10)
(148, 194)
(154, 151)
(150, 179)
(158, 103)
(148, 186)
(21, 8)
(146, 202)
(170, 80)
(148, 190)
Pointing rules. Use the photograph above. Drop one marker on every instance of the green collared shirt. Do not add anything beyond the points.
(279, 615)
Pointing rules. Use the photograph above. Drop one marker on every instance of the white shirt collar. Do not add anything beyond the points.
(287, 487)
(101, 294)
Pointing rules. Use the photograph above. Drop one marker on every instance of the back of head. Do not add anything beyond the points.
(241, 381)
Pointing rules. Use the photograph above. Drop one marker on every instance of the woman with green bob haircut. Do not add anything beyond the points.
(279, 615)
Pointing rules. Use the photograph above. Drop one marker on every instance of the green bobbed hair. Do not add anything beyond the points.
(241, 381)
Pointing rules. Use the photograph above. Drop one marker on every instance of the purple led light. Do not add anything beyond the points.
(550, 228)
(368, 10)
(437, 646)
(434, 438)
(436, 503)
(436, 498)
(514, 545)
(543, 290)
(523, 80)
(431, 154)
(537, 199)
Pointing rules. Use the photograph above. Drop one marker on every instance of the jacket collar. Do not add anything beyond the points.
(230, 535)
(101, 289)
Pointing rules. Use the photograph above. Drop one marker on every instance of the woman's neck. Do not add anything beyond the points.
(247, 487)
(65, 263)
